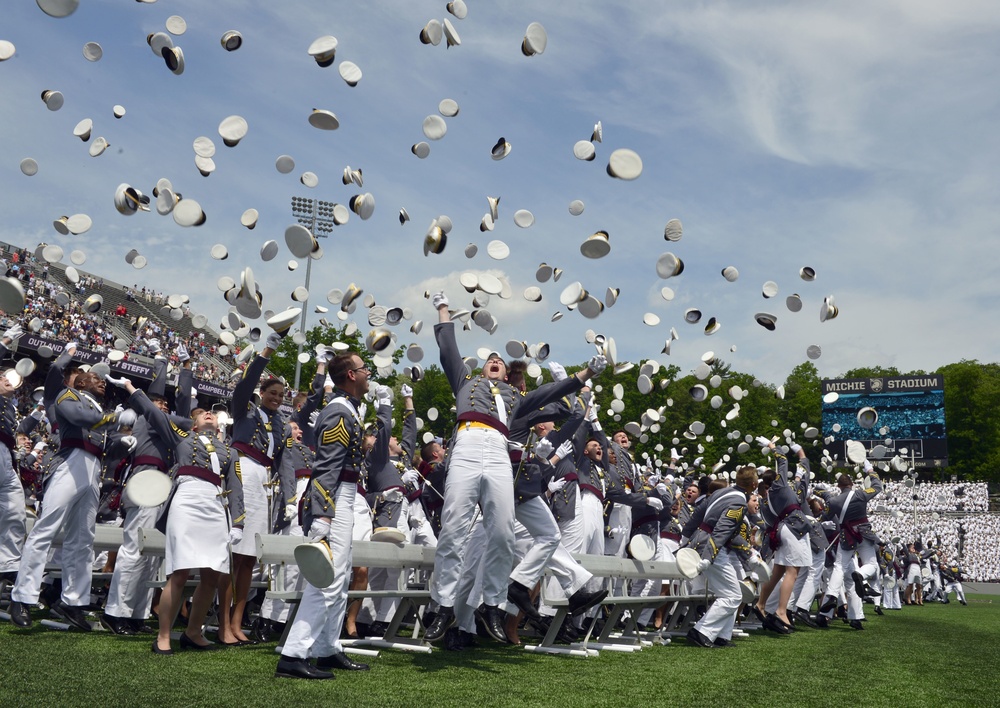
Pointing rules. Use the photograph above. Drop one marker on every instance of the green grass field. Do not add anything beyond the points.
(934, 655)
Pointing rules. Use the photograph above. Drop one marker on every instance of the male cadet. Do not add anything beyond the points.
(387, 478)
(71, 496)
(850, 511)
(12, 511)
(434, 466)
(480, 470)
(724, 512)
(952, 575)
(129, 597)
(328, 515)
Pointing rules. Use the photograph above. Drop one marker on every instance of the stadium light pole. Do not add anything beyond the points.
(317, 216)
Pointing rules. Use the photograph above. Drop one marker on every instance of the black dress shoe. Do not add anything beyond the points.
(856, 624)
(290, 667)
(859, 583)
(139, 626)
(696, 637)
(340, 661)
(453, 640)
(494, 619)
(829, 602)
(805, 618)
(822, 622)
(519, 595)
(116, 625)
(262, 629)
(237, 643)
(772, 623)
(161, 652)
(723, 643)
(581, 601)
(878, 610)
(443, 621)
(188, 643)
(757, 613)
(377, 630)
(19, 614)
(73, 615)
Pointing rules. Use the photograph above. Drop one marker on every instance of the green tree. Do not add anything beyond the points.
(971, 391)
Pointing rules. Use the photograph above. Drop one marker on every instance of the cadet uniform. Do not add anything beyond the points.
(71, 496)
(12, 510)
(330, 493)
(720, 523)
(480, 469)
(258, 436)
(129, 597)
(850, 510)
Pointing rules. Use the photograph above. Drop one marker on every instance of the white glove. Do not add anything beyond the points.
(127, 418)
(273, 341)
(755, 556)
(182, 353)
(592, 411)
(71, 348)
(565, 450)
(411, 477)
(406, 391)
(654, 502)
(235, 535)
(558, 371)
(663, 489)
(129, 442)
(868, 467)
(414, 522)
(39, 446)
(14, 332)
(556, 484)
(439, 300)
(291, 511)
(763, 442)
(329, 382)
(393, 495)
(597, 364)
(653, 479)
(383, 394)
(38, 412)
(543, 448)
(319, 530)
(703, 565)
(120, 383)
(312, 418)
(795, 448)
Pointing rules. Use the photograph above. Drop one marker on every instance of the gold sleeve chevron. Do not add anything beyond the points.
(68, 395)
(105, 419)
(735, 514)
(336, 435)
(180, 431)
(239, 472)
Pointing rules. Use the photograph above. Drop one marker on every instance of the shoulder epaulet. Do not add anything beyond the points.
(468, 376)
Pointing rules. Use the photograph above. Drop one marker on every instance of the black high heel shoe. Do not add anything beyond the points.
(161, 652)
(188, 643)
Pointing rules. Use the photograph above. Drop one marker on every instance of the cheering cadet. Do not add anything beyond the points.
(724, 511)
(71, 495)
(258, 436)
(480, 470)
(12, 510)
(327, 514)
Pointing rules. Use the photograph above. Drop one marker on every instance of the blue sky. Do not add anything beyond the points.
(856, 138)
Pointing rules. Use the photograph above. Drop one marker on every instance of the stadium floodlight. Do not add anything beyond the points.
(317, 216)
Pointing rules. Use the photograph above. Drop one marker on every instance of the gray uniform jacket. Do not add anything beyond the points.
(251, 434)
(339, 456)
(855, 527)
(781, 506)
(534, 475)
(721, 521)
(296, 462)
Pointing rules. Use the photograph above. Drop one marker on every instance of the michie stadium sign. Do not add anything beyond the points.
(897, 412)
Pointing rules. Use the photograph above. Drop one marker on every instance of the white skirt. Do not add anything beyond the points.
(254, 476)
(794, 552)
(197, 529)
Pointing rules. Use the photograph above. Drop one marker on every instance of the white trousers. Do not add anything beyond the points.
(277, 610)
(954, 587)
(546, 551)
(421, 532)
(469, 593)
(71, 504)
(386, 579)
(867, 566)
(722, 582)
(129, 596)
(644, 587)
(479, 474)
(316, 629)
(12, 514)
(805, 591)
(616, 544)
